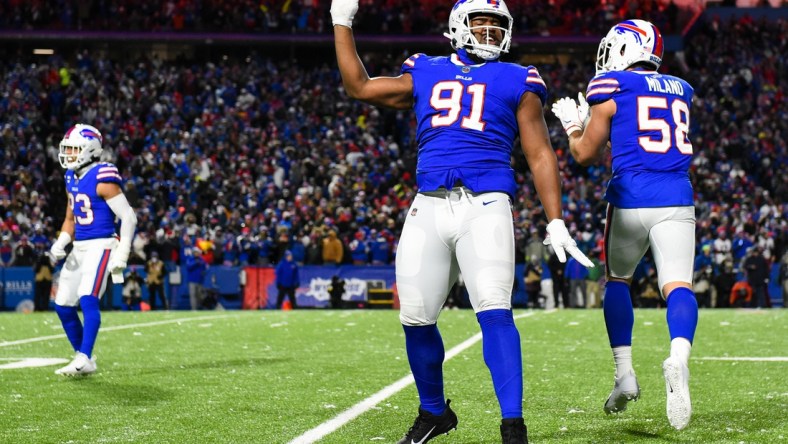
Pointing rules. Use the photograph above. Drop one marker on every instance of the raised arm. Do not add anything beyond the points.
(391, 92)
(588, 145)
(588, 130)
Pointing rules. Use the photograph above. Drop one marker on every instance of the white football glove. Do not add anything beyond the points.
(583, 110)
(572, 117)
(117, 264)
(562, 243)
(58, 250)
(343, 11)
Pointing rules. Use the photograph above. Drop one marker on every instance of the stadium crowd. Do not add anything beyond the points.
(248, 159)
(561, 17)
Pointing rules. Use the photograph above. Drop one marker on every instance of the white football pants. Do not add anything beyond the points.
(85, 271)
(670, 231)
(443, 236)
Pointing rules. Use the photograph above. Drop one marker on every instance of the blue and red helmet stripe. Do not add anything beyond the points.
(659, 45)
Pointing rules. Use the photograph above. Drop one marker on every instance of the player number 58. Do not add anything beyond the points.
(680, 114)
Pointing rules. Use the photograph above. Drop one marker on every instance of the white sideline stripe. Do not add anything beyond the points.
(118, 327)
(357, 410)
(745, 358)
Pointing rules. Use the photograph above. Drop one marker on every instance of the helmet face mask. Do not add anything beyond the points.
(628, 43)
(461, 33)
(80, 146)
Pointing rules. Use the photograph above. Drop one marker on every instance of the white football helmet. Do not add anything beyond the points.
(460, 31)
(627, 43)
(80, 146)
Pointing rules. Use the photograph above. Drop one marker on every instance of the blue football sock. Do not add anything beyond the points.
(425, 355)
(619, 314)
(503, 356)
(71, 324)
(682, 314)
(92, 315)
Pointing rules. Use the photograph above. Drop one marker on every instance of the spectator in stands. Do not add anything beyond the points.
(132, 292)
(43, 273)
(595, 280)
(24, 255)
(533, 282)
(741, 294)
(702, 286)
(380, 249)
(287, 280)
(333, 250)
(359, 248)
(558, 274)
(722, 247)
(576, 273)
(757, 270)
(649, 296)
(154, 278)
(704, 259)
(723, 284)
(195, 276)
(7, 252)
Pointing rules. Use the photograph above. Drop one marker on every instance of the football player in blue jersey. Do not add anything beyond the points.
(645, 116)
(470, 109)
(95, 199)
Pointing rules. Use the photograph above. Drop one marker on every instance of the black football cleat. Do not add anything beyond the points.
(428, 426)
(514, 431)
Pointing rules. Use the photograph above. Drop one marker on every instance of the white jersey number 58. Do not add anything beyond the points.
(680, 115)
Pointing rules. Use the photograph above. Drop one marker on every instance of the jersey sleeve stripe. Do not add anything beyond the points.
(108, 175)
(534, 77)
(594, 83)
(595, 91)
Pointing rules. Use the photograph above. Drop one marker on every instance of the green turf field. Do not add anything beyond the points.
(282, 377)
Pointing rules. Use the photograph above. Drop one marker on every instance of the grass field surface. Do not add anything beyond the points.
(342, 377)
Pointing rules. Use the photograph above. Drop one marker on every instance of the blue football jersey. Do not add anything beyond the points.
(94, 218)
(648, 137)
(466, 116)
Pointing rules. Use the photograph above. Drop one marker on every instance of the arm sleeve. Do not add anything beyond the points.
(128, 221)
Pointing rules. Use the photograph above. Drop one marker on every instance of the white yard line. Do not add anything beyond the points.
(117, 327)
(745, 358)
(362, 407)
